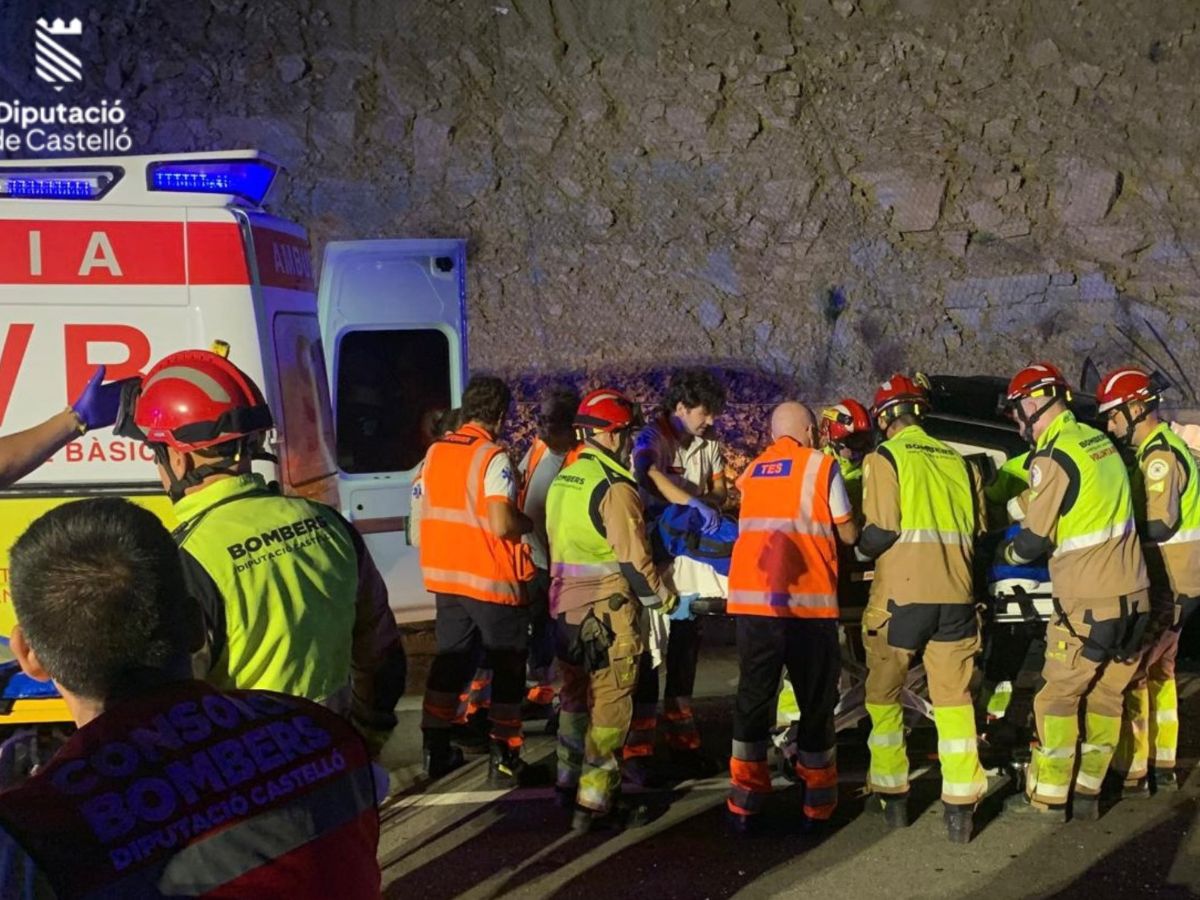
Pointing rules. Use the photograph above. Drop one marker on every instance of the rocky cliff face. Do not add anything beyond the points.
(811, 193)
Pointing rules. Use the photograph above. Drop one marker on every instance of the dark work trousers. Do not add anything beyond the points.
(541, 626)
(463, 625)
(683, 655)
(808, 649)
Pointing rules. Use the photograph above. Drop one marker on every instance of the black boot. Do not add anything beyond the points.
(1085, 808)
(895, 809)
(622, 814)
(1019, 804)
(1117, 787)
(959, 819)
(472, 736)
(739, 823)
(1165, 780)
(439, 757)
(505, 767)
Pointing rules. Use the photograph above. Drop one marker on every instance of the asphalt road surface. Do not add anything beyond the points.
(457, 838)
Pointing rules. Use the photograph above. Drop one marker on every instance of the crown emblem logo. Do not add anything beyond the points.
(59, 27)
(54, 63)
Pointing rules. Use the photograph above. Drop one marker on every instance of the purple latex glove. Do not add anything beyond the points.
(98, 404)
(710, 519)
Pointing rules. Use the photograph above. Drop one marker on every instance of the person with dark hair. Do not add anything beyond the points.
(553, 449)
(292, 598)
(676, 461)
(476, 566)
(95, 407)
(165, 775)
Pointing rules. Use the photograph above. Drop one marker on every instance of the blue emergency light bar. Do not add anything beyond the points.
(57, 184)
(249, 179)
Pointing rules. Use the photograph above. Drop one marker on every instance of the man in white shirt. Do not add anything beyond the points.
(675, 461)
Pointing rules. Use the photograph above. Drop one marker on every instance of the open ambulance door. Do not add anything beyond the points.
(393, 325)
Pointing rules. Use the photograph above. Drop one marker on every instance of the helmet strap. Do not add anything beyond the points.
(1028, 421)
(1131, 422)
(177, 487)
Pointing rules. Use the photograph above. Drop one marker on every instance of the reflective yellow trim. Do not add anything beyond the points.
(36, 712)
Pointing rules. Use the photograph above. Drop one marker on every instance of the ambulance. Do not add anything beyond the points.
(122, 260)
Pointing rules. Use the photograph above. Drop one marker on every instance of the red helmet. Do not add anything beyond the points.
(1037, 380)
(845, 421)
(606, 409)
(196, 399)
(1125, 385)
(899, 395)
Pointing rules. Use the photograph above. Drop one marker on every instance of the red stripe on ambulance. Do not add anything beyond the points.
(216, 254)
(71, 252)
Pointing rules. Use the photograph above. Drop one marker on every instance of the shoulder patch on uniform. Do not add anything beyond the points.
(1157, 470)
(1035, 475)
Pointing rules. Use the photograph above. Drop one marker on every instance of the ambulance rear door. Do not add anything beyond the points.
(394, 328)
(295, 381)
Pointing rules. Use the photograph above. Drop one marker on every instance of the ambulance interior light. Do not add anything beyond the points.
(57, 184)
(249, 179)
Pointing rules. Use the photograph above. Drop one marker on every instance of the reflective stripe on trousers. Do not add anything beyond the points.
(963, 780)
(1132, 757)
(440, 709)
(888, 772)
(1101, 735)
(479, 697)
(601, 775)
(505, 719)
(1049, 777)
(681, 733)
(642, 731)
(1164, 723)
(818, 771)
(749, 777)
(572, 732)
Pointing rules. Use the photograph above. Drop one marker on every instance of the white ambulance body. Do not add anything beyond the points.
(122, 260)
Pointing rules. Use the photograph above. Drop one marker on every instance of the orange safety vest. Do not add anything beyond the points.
(459, 552)
(785, 558)
(537, 451)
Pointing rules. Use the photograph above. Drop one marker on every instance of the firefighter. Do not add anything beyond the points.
(102, 609)
(292, 599)
(553, 448)
(1166, 492)
(847, 435)
(783, 590)
(602, 576)
(96, 407)
(1078, 508)
(675, 460)
(921, 505)
(475, 564)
